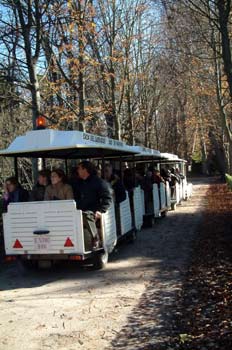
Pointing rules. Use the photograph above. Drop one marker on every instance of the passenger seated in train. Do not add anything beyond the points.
(119, 192)
(173, 181)
(13, 192)
(174, 174)
(178, 173)
(73, 177)
(115, 183)
(93, 197)
(139, 176)
(132, 177)
(147, 187)
(157, 178)
(165, 174)
(58, 189)
(99, 171)
(128, 179)
(38, 191)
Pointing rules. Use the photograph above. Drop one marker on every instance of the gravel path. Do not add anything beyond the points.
(124, 307)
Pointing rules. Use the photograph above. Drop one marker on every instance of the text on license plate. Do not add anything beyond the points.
(42, 243)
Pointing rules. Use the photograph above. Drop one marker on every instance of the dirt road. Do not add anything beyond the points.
(122, 307)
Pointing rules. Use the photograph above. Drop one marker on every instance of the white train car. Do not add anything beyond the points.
(183, 189)
(53, 230)
(47, 231)
(160, 194)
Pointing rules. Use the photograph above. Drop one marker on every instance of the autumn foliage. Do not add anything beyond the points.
(148, 72)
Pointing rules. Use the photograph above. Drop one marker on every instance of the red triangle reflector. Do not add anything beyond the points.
(68, 243)
(17, 244)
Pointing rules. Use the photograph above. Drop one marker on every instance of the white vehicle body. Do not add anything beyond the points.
(139, 207)
(125, 216)
(54, 229)
(161, 199)
(183, 190)
(161, 195)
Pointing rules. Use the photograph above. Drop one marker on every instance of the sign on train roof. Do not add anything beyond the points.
(65, 144)
(171, 157)
(144, 152)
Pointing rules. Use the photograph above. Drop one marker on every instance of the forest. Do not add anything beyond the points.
(149, 72)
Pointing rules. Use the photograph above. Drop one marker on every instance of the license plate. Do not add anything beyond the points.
(42, 243)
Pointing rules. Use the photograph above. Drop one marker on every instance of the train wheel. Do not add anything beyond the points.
(164, 214)
(132, 237)
(100, 261)
(27, 265)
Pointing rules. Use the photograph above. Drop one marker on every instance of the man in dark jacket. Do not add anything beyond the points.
(91, 192)
(93, 197)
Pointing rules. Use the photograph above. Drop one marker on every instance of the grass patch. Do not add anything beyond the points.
(229, 181)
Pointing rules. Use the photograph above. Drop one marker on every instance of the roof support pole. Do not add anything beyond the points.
(103, 167)
(16, 167)
(43, 163)
(153, 164)
(134, 173)
(66, 166)
(120, 168)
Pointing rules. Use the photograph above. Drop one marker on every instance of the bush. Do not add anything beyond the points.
(229, 181)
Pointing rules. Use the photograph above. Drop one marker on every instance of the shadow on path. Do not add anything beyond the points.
(154, 247)
(162, 318)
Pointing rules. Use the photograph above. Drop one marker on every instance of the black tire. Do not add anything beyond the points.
(164, 214)
(132, 237)
(100, 261)
(45, 264)
(27, 265)
(173, 206)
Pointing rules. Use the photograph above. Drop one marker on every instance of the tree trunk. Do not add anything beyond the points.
(35, 94)
(117, 126)
(81, 69)
(25, 18)
(220, 154)
(129, 109)
(224, 9)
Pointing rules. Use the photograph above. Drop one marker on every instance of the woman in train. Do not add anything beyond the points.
(58, 189)
(157, 178)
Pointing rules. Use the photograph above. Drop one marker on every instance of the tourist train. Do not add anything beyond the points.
(43, 232)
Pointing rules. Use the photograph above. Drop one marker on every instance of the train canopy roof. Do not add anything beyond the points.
(170, 157)
(65, 145)
(143, 154)
(146, 152)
